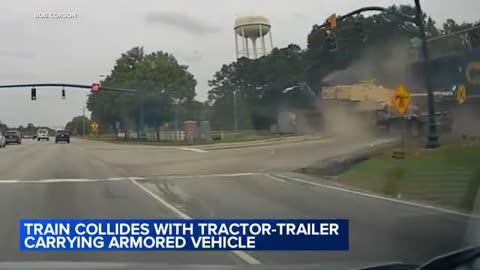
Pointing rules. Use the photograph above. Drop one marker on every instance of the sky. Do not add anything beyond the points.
(199, 33)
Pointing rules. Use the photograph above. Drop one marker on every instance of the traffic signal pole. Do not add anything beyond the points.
(35, 85)
(432, 139)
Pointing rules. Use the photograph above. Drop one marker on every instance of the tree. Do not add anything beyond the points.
(258, 85)
(75, 126)
(160, 80)
(3, 127)
(109, 107)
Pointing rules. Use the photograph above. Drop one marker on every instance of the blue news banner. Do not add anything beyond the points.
(173, 234)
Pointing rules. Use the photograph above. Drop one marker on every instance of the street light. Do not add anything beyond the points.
(176, 102)
(83, 122)
(304, 87)
(288, 89)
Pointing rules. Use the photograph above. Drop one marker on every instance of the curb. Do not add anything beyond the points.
(221, 146)
(329, 168)
(262, 143)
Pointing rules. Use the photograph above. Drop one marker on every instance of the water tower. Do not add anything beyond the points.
(249, 28)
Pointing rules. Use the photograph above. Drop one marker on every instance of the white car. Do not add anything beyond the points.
(3, 143)
(42, 134)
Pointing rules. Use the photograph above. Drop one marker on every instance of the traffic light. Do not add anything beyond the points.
(360, 30)
(331, 40)
(332, 22)
(330, 37)
(63, 93)
(95, 87)
(34, 93)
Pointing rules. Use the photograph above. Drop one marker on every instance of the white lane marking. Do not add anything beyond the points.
(241, 254)
(420, 205)
(212, 175)
(140, 178)
(46, 181)
(192, 149)
(197, 150)
(276, 178)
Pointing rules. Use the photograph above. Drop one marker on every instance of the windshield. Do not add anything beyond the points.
(359, 118)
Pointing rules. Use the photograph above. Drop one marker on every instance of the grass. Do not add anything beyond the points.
(249, 135)
(448, 176)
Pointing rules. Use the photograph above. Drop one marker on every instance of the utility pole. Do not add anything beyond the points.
(235, 110)
(83, 120)
(432, 141)
(176, 102)
(141, 129)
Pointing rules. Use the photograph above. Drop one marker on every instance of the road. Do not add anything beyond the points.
(89, 179)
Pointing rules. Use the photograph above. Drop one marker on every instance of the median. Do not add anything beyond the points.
(228, 140)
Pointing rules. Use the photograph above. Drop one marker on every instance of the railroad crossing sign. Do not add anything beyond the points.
(401, 99)
(461, 94)
(94, 126)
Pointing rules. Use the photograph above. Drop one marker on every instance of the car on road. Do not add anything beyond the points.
(3, 143)
(13, 136)
(42, 134)
(62, 136)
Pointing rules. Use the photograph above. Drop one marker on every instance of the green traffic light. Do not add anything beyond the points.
(34, 94)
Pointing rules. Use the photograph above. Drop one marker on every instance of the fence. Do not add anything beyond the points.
(177, 136)
(172, 136)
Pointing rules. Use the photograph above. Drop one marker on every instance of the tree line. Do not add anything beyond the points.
(29, 129)
(169, 88)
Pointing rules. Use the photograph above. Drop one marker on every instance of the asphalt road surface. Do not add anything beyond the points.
(87, 179)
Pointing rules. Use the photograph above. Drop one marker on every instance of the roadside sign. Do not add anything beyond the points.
(398, 154)
(461, 94)
(94, 125)
(401, 99)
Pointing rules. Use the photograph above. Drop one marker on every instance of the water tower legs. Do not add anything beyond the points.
(271, 40)
(236, 45)
(254, 45)
(262, 38)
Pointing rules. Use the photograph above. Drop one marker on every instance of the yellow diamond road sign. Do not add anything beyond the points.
(461, 94)
(401, 99)
(94, 125)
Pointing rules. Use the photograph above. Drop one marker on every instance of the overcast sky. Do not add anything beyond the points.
(199, 33)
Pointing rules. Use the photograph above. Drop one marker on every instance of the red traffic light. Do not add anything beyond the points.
(95, 87)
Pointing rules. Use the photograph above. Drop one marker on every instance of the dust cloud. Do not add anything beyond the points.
(466, 120)
(386, 65)
(341, 121)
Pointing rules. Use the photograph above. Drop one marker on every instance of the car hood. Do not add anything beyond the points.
(57, 265)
